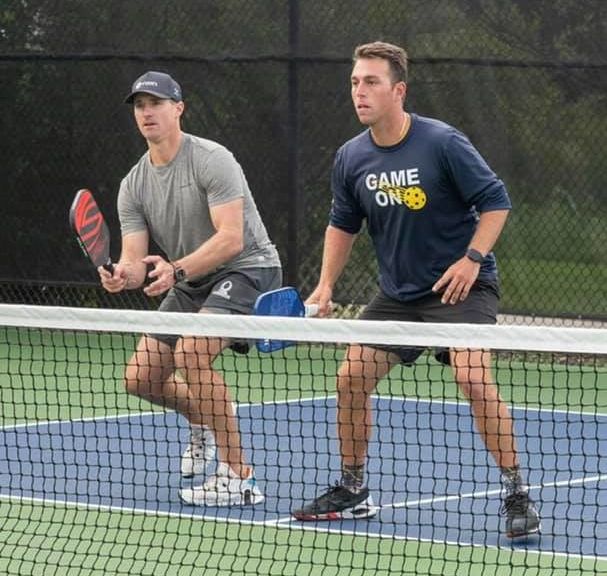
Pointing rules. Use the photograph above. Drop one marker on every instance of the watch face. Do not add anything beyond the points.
(179, 274)
(475, 256)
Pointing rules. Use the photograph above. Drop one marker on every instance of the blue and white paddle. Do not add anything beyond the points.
(284, 301)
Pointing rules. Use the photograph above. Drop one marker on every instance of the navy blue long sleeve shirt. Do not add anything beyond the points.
(421, 200)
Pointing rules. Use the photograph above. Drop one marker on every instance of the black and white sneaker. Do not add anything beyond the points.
(338, 503)
(522, 518)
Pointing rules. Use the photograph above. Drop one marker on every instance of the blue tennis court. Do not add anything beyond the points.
(428, 470)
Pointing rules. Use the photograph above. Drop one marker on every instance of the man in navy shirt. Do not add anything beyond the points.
(434, 209)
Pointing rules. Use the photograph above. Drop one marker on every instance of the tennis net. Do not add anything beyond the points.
(91, 479)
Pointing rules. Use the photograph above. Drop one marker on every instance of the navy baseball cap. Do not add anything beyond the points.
(156, 83)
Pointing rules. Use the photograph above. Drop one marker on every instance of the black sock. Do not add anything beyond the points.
(352, 477)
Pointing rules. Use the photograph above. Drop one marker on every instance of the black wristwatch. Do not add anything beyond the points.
(178, 273)
(475, 255)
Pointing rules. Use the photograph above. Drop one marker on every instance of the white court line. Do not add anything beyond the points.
(512, 406)
(82, 419)
(459, 543)
(296, 400)
(128, 415)
(291, 525)
(87, 506)
(483, 494)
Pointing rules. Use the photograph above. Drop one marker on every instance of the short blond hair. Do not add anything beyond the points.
(394, 55)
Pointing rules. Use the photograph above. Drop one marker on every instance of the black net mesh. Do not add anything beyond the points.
(92, 478)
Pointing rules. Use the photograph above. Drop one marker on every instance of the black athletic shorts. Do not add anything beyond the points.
(480, 307)
(227, 292)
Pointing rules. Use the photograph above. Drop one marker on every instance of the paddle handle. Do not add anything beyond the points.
(311, 310)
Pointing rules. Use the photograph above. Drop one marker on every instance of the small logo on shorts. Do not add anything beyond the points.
(224, 290)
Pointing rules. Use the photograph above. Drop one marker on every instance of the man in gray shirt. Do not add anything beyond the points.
(191, 197)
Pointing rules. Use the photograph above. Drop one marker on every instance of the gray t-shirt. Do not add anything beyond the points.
(172, 202)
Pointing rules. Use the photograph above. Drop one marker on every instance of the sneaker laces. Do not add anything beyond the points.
(220, 478)
(214, 482)
(334, 489)
(198, 439)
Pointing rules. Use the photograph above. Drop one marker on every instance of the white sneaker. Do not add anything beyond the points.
(199, 453)
(225, 488)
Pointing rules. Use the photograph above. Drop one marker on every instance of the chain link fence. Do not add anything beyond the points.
(270, 80)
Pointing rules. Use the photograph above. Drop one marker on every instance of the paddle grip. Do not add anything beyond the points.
(311, 310)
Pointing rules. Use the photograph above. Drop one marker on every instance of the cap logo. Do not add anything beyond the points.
(146, 83)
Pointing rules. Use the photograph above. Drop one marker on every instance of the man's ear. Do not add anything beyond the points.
(401, 89)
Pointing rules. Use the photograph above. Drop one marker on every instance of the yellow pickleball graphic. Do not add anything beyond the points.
(412, 197)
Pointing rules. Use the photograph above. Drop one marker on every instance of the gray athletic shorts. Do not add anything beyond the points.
(226, 292)
(480, 307)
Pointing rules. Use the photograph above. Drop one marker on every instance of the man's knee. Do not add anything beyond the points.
(477, 388)
(133, 385)
(197, 353)
(353, 381)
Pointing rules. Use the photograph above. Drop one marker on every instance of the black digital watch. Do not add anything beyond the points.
(475, 255)
(178, 273)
